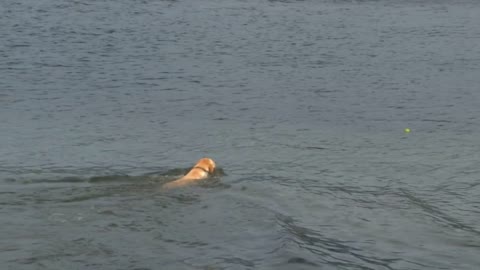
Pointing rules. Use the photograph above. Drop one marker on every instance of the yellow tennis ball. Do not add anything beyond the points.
(407, 130)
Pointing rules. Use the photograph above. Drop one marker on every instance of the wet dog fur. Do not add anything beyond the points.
(202, 169)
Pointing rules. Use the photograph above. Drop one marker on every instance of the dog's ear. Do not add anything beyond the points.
(211, 168)
(207, 163)
(212, 165)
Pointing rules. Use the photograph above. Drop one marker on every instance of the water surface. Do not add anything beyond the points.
(301, 103)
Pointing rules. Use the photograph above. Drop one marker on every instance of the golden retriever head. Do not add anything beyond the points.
(207, 164)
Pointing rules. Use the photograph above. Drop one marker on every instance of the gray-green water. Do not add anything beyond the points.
(301, 103)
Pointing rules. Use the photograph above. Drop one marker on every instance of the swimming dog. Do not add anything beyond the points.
(202, 169)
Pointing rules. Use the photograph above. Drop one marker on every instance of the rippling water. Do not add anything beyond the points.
(301, 103)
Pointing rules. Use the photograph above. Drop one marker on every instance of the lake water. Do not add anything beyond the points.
(303, 105)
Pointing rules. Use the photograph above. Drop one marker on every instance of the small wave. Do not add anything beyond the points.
(112, 178)
(300, 260)
(437, 214)
(332, 251)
